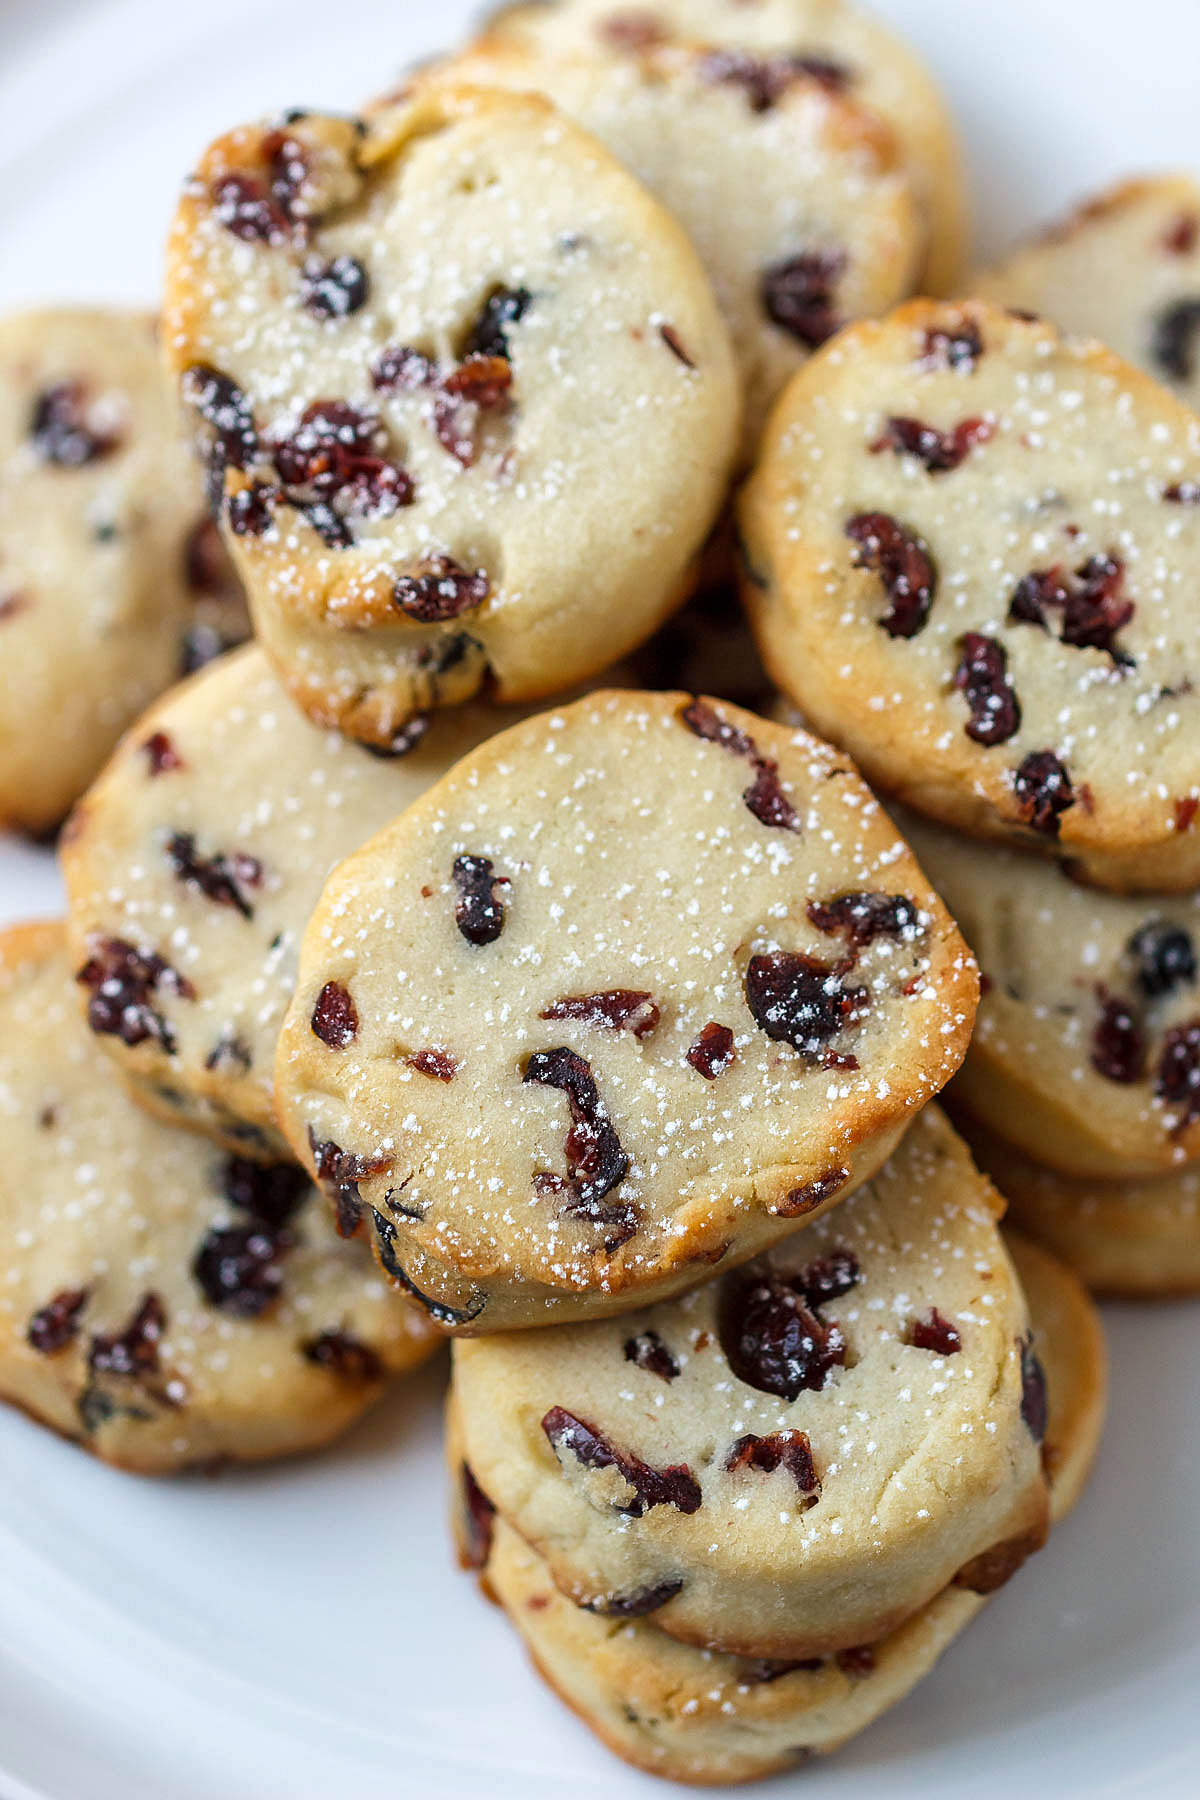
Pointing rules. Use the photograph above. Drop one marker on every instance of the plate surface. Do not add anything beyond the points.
(299, 1634)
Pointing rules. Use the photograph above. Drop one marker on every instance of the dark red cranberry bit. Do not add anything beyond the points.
(674, 343)
(56, 1324)
(503, 308)
(982, 678)
(335, 289)
(939, 451)
(811, 1194)
(122, 979)
(332, 465)
(1043, 791)
(1165, 958)
(11, 605)
(639, 1603)
(406, 739)
(773, 1339)
(224, 407)
(934, 1333)
(766, 79)
(674, 1486)
(1034, 594)
(1118, 1046)
(1186, 808)
(438, 1310)
(958, 348)
(858, 1660)
(1178, 1081)
(439, 1065)
(789, 1450)
(766, 799)
(205, 563)
(1035, 1406)
(335, 1016)
(400, 369)
(1089, 601)
(245, 206)
(442, 590)
(220, 878)
(864, 916)
(478, 913)
(237, 1267)
(1180, 238)
(799, 1001)
(905, 567)
(649, 1352)
(596, 1160)
(478, 385)
(345, 1356)
(478, 1517)
(1173, 344)
(797, 294)
(704, 721)
(339, 1173)
(829, 1277)
(287, 164)
(230, 1053)
(134, 1351)
(1183, 493)
(713, 1051)
(251, 510)
(60, 429)
(614, 1009)
(161, 754)
(269, 1192)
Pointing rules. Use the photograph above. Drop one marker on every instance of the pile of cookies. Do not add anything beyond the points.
(504, 946)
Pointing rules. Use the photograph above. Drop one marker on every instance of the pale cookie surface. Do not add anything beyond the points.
(160, 1302)
(640, 983)
(797, 199)
(1086, 1049)
(769, 40)
(110, 583)
(970, 558)
(793, 1459)
(193, 866)
(469, 392)
(1124, 268)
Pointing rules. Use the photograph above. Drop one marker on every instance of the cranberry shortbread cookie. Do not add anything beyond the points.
(797, 199)
(160, 1302)
(1124, 268)
(703, 1715)
(466, 391)
(640, 984)
(795, 1458)
(112, 582)
(970, 558)
(765, 44)
(193, 865)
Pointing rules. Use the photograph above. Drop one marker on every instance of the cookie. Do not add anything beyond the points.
(641, 983)
(192, 867)
(111, 583)
(766, 43)
(467, 393)
(970, 559)
(1135, 1239)
(700, 1715)
(1086, 1050)
(1124, 268)
(161, 1303)
(795, 1458)
(832, 231)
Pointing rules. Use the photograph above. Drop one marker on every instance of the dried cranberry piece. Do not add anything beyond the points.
(122, 978)
(56, 1324)
(161, 754)
(767, 78)
(11, 605)
(704, 721)
(1178, 1081)
(1180, 239)
(615, 1009)
(790, 1450)
(345, 1356)
(767, 801)
(764, 797)
(797, 294)
(1173, 343)
(773, 1339)
(237, 1267)
(438, 1064)
(205, 563)
(269, 1192)
(982, 676)
(60, 429)
(333, 465)
(438, 1310)
(1183, 493)
(1186, 808)
(1092, 613)
(1165, 957)
(219, 878)
(649, 1352)
(674, 343)
(1043, 791)
(637, 1604)
(811, 1194)
(858, 1660)
(864, 916)
(335, 289)
(713, 1051)
(1118, 1047)
(934, 1333)
(225, 409)
(442, 590)
(829, 1277)
(479, 384)
(959, 348)
(674, 1486)
(502, 309)
(478, 914)
(251, 510)
(339, 1173)
(595, 1159)
(230, 1052)
(134, 1351)
(335, 1016)
(1035, 1407)
(406, 738)
(245, 206)
(400, 367)
(799, 1001)
(478, 1516)
(939, 451)
(904, 565)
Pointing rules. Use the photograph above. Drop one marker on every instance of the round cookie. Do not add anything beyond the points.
(467, 389)
(1136, 1240)
(833, 232)
(1086, 1049)
(700, 1715)
(192, 867)
(1124, 268)
(766, 41)
(110, 580)
(639, 984)
(163, 1304)
(970, 559)
(793, 1459)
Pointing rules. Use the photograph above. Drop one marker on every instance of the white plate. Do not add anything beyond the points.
(299, 1634)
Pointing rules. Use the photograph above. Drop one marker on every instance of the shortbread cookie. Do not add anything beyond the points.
(110, 583)
(1138, 1240)
(797, 199)
(970, 557)
(766, 43)
(1124, 268)
(638, 985)
(467, 392)
(162, 1303)
(793, 1459)
(700, 1715)
(193, 865)
(1086, 1051)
